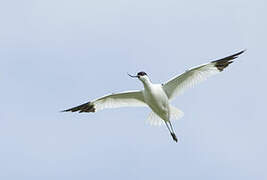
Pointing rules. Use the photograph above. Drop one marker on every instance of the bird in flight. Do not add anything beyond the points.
(158, 96)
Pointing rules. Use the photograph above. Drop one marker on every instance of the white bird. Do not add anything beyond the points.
(158, 96)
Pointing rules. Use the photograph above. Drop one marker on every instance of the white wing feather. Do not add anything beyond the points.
(180, 83)
(124, 99)
(190, 78)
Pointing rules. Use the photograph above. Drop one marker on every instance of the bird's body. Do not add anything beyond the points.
(158, 96)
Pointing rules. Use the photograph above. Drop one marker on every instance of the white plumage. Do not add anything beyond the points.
(158, 96)
(154, 120)
(124, 99)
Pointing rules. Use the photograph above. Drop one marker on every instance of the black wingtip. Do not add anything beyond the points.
(86, 107)
(221, 64)
(240, 52)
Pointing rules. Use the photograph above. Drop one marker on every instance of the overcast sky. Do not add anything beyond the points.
(56, 54)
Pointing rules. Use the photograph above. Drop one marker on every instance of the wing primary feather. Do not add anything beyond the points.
(86, 107)
(191, 77)
(224, 62)
(123, 99)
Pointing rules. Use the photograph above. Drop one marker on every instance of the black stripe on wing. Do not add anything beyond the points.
(224, 62)
(86, 107)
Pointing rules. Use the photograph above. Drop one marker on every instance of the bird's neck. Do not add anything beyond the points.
(147, 83)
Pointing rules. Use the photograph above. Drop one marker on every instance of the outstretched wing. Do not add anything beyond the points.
(124, 99)
(178, 84)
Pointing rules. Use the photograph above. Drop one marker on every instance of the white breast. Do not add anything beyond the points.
(157, 100)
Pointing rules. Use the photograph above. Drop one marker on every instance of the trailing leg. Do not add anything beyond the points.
(171, 131)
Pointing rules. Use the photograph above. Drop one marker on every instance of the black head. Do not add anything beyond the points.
(142, 73)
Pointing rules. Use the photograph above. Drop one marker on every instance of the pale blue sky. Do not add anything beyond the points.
(58, 54)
